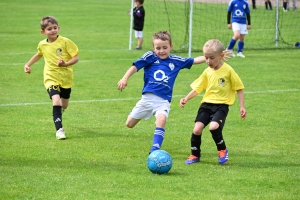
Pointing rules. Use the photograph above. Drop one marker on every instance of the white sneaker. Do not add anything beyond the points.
(240, 54)
(60, 134)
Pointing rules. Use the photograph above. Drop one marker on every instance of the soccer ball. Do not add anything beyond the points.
(159, 162)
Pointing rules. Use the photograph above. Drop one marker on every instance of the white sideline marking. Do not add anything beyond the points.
(128, 99)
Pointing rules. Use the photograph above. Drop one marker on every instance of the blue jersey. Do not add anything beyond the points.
(160, 75)
(239, 9)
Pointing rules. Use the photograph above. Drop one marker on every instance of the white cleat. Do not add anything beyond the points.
(60, 134)
(240, 54)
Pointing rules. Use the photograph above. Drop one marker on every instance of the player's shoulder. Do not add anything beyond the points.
(148, 55)
(177, 58)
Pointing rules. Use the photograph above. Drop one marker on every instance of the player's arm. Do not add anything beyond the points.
(243, 111)
(184, 100)
(249, 21)
(229, 20)
(34, 58)
(199, 60)
(123, 82)
(72, 61)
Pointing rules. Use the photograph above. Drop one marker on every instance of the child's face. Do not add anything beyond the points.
(137, 4)
(213, 59)
(162, 48)
(51, 31)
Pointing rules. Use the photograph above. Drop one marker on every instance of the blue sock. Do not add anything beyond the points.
(240, 46)
(231, 44)
(158, 139)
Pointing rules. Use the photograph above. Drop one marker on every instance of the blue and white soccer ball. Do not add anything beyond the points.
(159, 162)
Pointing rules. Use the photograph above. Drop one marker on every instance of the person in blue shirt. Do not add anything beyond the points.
(239, 11)
(160, 72)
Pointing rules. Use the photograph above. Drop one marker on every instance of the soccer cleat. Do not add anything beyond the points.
(240, 54)
(192, 159)
(223, 156)
(138, 48)
(60, 134)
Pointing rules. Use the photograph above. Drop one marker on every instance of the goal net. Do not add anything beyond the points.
(192, 23)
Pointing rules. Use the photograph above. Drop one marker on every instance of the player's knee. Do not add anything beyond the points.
(213, 126)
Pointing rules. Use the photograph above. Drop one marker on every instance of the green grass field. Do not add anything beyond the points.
(102, 158)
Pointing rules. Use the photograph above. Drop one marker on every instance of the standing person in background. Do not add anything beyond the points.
(138, 22)
(254, 4)
(286, 5)
(268, 4)
(60, 54)
(240, 15)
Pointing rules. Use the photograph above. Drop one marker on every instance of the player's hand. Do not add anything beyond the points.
(227, 54)
(183, 101)
(61, 63)
(243, 113)
(229, 26)
(27, 69)
(122, 84)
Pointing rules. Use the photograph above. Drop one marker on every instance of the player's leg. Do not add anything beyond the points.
(216, 127)
(201, 121)
(139, 36)
(253, 4)
(142, 110)
(54, 93)
(236, 35)
(161, 109)
(270, 5)
(140, 39)
(243, 32)
(285, 5)
(131, 122)
(294, 5)
(65, 94)
(266, 4)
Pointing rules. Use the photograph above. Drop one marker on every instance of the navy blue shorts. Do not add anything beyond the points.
(212, 112)
(62, 92)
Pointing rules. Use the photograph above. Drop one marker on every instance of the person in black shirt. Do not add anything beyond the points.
(138, 22)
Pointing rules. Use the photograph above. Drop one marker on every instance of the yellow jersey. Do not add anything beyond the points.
(61, 48)
(220, 85)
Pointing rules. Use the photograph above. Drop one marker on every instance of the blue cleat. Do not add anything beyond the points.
(223, 156)
(192, 159)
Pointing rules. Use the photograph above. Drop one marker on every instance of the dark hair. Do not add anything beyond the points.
(47, 20)
(140, 1)
(162, 35)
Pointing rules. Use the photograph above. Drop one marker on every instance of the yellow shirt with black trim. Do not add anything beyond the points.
(219, 85)
(61, 48)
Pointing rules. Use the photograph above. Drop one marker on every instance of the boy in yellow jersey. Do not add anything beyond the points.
(60, 54)
(220, 82)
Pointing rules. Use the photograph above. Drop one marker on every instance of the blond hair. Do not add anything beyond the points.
(214, 45)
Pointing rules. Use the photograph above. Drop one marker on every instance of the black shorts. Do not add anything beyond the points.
(62, 92)
(212, 112)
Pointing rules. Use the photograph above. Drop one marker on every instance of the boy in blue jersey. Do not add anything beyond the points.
(220, 83)
(240, 15)
(160, 72)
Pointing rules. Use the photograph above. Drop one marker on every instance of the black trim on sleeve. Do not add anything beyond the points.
(228, 17)
(248, 18)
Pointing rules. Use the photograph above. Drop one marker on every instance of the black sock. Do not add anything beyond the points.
(218, 138)
(266, 3)
(57, 117)
(285, 5)
(195, 145)
(270, 4)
